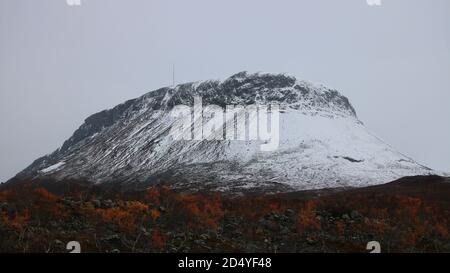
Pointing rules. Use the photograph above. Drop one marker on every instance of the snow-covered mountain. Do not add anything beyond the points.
(322, 142)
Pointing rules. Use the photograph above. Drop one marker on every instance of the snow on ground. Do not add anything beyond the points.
(322, 143)
(53, 167)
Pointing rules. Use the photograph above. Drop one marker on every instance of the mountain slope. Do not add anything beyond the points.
(322, 142)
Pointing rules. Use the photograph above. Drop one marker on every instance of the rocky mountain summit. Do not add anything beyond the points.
(322, 143)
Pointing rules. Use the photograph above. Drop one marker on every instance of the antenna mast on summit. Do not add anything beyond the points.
(173, 74)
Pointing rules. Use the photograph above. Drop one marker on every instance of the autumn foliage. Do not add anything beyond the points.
(159, 219)
(307, 218)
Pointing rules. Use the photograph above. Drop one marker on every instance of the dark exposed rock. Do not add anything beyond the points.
(356, 215)
(241, 88)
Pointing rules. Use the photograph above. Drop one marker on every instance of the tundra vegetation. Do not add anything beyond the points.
(37, 218)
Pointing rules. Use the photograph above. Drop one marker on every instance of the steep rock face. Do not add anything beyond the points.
(322, 142)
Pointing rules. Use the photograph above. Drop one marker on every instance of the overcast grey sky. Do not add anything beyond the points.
(59, 64)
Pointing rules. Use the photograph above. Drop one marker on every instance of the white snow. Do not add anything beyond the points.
(53, 168)
(321, 146)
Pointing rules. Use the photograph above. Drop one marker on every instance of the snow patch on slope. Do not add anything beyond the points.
(322, 142)
(52, 168)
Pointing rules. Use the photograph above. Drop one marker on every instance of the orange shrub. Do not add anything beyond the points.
(158, 240)
(201, 211)
(340, 227)
(154, 214)
(442, 230)
(122, 218)
(45, 195)
(5, 196)
(153, 196)
(306, 218)
(136, 207)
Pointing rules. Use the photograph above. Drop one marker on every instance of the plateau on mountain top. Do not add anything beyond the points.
(322, 143)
